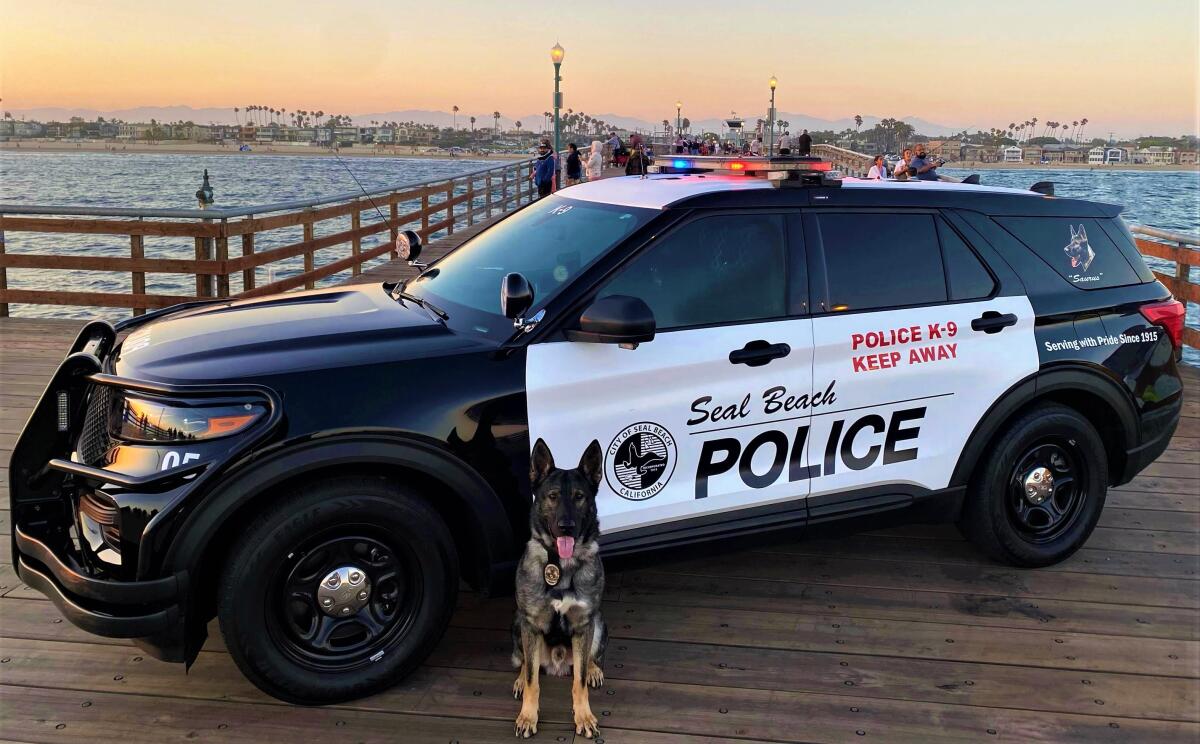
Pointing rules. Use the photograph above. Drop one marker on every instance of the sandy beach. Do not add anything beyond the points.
(203, 148)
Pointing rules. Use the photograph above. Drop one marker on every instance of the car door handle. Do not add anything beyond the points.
(993, 322)
(758, 353)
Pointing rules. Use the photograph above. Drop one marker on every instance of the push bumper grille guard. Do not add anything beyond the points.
(42, 477)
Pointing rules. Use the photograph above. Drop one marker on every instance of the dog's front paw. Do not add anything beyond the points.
(518, 686)
(527, 724)
(585, 723)
(595, 676)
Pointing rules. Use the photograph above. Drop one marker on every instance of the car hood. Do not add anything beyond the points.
(241, 340)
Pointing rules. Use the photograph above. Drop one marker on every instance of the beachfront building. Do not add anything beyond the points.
(947, 149)
(1060, 153)
(1186, 157)
(16, 129)
(1011, 154)
(128, 131)
(1105, 155)
(1155, 155)
(1031, 153)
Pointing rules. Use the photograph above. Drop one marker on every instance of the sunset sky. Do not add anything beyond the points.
(1129, 67)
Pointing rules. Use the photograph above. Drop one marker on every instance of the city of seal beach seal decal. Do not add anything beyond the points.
(640, 461)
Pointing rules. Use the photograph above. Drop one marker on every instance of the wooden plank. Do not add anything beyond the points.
(94, 226)
(138, 280)
(90, 299)
(1126, 497)
(966, 579)
(248, 256)
(757, 668)
(308, 255)
(356, 241)
(1167, 252)
(36, 714)
(309, 277)
(676, 708)
(1064, 613)
(133, 263)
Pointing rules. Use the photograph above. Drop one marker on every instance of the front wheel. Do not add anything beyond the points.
(1037, 496)
(339, 591)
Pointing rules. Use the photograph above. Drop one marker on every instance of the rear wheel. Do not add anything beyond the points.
(338, 591)
(1037, 497)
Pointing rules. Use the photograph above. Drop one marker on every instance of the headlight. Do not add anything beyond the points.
(146, 419)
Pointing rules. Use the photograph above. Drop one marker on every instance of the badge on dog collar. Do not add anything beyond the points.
(552, 574)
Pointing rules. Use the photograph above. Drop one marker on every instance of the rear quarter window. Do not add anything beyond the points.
(1079, 249)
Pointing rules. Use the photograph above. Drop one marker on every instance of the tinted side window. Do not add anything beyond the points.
(881, 260)
(965, 273)
(719, 269)
(1078, 249)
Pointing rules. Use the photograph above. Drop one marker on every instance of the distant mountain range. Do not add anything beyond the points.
(531, 121)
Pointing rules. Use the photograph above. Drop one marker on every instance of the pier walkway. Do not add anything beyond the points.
(902, 635)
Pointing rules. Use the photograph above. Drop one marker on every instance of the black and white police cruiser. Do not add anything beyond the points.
(757, 344)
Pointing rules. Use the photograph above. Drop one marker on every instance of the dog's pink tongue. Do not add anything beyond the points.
(566, 547)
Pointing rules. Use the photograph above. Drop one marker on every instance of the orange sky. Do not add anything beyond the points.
(1129, 67)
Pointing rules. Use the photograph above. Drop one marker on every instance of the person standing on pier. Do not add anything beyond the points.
(878, 170)
(595, 161)
(785, 143)
(544, 170)
(804, 144)
(574, 165)
(901, 171)
(925, 166)
(638, 164)
(614, 143)
(756, 146)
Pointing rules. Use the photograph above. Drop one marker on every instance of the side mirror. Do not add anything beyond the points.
(516, 296)
(408, 246)
(616, 319)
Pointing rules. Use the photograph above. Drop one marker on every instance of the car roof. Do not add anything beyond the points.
(665, 190)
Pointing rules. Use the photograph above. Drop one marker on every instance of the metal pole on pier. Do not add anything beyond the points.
(556, 56)
(771, 118)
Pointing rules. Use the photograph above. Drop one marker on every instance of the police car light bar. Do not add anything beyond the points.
(805, 171)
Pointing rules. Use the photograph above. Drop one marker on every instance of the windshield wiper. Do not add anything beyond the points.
(398, 294)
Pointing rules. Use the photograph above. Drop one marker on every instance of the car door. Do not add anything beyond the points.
(913, 332)
(703, 419)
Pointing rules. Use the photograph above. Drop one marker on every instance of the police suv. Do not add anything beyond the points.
(756, 344)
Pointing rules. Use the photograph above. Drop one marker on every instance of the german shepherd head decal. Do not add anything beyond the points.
(1079, 251)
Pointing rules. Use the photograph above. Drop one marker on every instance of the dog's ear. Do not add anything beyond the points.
(1073, 233)
(541, 463)
(592, 463)
(1082, 233)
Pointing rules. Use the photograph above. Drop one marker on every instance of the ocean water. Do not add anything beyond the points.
(1164, 199)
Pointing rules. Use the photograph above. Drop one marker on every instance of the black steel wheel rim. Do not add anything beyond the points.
(1057, 511)
(314, 639)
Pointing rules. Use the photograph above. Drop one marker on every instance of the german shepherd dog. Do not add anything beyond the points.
(1079, 251)
(560, 581)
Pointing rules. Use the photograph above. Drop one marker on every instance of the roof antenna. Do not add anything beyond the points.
(378, 211)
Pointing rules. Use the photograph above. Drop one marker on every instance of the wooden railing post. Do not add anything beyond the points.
(356, 242)
(425, 213)
(204, 252)
(248, 250)
(138, 278)
(223, 256)
(308, 251)
(504, 190)
(471, 201)
(450, 207)
(487, 195)
(3, 278)
(393, 218)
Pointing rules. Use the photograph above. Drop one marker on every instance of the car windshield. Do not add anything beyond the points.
(550, 242)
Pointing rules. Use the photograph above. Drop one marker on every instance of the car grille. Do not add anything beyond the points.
(94, 442)
(101, 510)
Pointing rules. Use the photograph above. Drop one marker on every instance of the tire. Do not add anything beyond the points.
(272, 588)
(1002, 516)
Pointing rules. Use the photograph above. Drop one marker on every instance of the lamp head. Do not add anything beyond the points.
(773, 82)
(557, 53)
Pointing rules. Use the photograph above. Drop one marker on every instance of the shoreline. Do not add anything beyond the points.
(976, 165)
(204, 148)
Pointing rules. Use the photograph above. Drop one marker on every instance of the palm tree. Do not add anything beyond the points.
(1082, 123)
(518, 126)
(455, 127)
(496, 122)
(857, 123)
(472, 128)
(237, 118)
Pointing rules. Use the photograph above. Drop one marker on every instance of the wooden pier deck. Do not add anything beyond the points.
(900, 635)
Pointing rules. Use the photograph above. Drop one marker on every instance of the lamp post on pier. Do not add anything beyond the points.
(556, 56)
(771, 118)
(678, 117)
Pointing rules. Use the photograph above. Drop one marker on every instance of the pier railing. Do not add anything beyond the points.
(1184, 251)
(236, 249)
